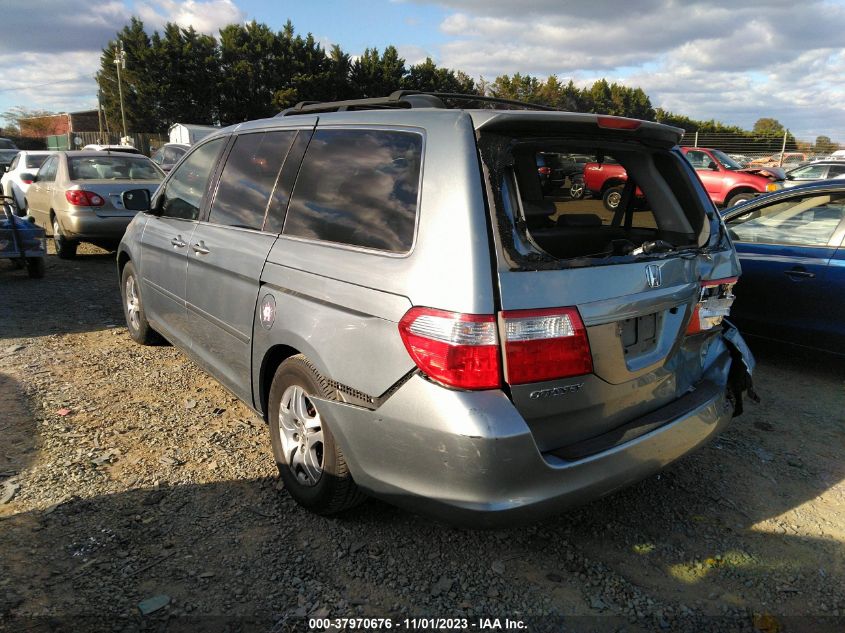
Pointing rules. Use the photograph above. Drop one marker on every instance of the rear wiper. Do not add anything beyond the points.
(654, 248)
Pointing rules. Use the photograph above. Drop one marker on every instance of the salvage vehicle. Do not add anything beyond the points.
(76, 196)
(726, 181)
(790, 244)
(814, 172)
(382, 281)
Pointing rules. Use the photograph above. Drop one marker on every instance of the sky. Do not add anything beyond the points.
(730, 60)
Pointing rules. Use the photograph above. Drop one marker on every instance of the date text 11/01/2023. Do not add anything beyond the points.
(416, 624)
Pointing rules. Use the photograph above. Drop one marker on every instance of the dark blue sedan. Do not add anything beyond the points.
(790, 244)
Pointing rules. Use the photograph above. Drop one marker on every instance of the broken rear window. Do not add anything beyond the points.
(570, 201)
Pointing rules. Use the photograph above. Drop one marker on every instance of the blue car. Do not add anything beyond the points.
(790, 244)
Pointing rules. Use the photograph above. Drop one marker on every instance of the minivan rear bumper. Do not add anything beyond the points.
(469, 457)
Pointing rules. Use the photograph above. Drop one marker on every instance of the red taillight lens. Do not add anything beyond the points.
(617, 123)
(458, 350)
(82, 198)
(544, 171)
(544, 345)
(27, 181)
(714, 304)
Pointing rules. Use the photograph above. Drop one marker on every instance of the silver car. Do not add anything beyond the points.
(385, 282)
(76, 196)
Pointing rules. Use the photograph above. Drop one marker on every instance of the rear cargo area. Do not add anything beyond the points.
(631, 265)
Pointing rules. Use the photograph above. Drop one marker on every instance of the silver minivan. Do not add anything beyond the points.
(386, 282)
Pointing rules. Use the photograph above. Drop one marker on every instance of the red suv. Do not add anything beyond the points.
(725, 180)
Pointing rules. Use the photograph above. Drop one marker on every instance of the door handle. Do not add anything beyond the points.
(799, 273)
(200, 249)
(177, 242)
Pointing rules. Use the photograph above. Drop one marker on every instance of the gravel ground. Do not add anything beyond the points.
(128, 475)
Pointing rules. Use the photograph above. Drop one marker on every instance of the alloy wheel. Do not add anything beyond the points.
(301, 435)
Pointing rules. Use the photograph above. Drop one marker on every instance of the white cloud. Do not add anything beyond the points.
(49, 57)
(413, 54)
(719, 59)
(206, 16)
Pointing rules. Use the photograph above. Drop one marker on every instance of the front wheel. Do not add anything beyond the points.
(310, 462)
(576, 189)
(612, 198)
(35, 267)
(740, 197)
(65, 248)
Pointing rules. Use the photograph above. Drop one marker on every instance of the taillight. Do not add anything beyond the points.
(544, 171)
(544, 345)
(27, 181)
(458, 350)
(714, 304)
(617, 123)
(82, 198)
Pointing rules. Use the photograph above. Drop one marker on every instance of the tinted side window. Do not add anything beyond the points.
(14, 162)
(358, 187)
(183, 194)
(248, 179)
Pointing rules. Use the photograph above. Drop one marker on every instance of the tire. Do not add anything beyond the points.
(612, 197)
(576, 189)
(35, 267)
(65, 248)
(740, 197)
(310, 462)
(139, 328)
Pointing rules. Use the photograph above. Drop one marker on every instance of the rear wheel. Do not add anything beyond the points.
(310, 462)
(65, 248)
(576, 189)
(35, 267)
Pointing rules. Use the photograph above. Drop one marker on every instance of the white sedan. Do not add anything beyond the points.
(18, 177)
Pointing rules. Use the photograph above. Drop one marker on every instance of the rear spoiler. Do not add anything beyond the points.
(550, 124)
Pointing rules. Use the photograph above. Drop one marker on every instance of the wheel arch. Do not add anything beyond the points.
(273, 357)
(612, 182)
(738, 190)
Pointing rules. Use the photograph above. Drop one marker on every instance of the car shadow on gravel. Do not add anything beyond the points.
(18, 432)
(77, 295)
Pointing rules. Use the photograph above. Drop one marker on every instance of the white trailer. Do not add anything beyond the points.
(188, 133)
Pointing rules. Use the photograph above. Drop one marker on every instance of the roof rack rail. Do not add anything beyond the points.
(402, 99)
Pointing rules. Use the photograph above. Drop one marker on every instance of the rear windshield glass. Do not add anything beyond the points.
(6, 144)
(575, 202)
(113, 168)
(34, 162)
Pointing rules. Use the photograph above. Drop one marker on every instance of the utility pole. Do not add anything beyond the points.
(99, 110)
(120, 62)
(695, 144)
(783, 148)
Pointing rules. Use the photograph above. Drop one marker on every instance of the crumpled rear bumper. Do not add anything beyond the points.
(470, 458)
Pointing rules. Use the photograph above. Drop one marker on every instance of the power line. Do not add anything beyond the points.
(51, 83)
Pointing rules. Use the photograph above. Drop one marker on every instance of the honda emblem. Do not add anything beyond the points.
(652, 275)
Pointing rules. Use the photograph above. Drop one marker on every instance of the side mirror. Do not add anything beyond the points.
(712, 166)
(136, 200)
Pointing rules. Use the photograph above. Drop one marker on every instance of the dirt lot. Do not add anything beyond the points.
(128, 474)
